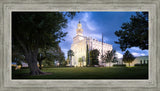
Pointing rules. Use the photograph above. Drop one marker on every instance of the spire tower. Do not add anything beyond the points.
(79, 29)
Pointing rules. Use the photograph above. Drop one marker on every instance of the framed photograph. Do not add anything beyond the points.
(79, 45)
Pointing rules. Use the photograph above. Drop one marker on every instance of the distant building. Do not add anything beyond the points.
(138, 60)
(23, 64)
(57, 63)
(79, 47)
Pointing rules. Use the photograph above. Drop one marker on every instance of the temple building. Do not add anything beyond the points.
(80, 44)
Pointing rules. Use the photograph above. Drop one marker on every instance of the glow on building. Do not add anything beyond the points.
(79, 47)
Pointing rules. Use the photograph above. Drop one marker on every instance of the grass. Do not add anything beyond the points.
(140, 72)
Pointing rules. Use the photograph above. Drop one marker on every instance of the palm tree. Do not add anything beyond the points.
(70, 54)
(109, 56)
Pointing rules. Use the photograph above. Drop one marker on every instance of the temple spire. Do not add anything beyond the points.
(79, 29)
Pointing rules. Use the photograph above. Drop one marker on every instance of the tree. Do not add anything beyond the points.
(41, 56)
(17, 56)
(47, 57)
(64, 63)
(128, 57)
(134, 33)
(70, 54)
(87, 56)
(52, 54)
(115, 60)
(109, 56)
(80, 60)
(60, 56)
(94, 57)
(18, 59)
(34, 30)
(68, 61)
(48, 63)
(45, 54)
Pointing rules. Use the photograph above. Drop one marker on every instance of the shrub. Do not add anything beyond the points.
(24, 67)
(13, 68)
(141, 65)
(119, 65)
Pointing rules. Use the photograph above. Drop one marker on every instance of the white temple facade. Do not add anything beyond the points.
(79, 47)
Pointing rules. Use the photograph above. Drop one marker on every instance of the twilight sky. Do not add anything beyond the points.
(96, 23)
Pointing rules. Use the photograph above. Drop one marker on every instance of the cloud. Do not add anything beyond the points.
(85, 17)
(93, 25)
(135, 48)
(135, 54)
(87, 26)
(138, 54)
(136, 51)
(119, 55)
(71, 29)
(143, 54)
(88, 23)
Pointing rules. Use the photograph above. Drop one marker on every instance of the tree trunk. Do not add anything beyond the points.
(31, 57)
(129, 64)
(71, 61)
(40, 64)
(109, 64)
(40, 61)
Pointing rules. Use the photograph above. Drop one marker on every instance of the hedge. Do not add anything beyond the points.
(119, 65)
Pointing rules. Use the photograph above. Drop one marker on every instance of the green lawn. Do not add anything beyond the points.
(86, 73)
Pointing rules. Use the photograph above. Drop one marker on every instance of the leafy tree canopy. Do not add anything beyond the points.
(34, 30)
(37, 29)
(80, 60)
(128, 57)
(70, 53)
(109, 56)
(134, 33)
(53, 54)
(94, 57)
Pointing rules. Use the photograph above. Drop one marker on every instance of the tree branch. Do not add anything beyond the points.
(21, 44)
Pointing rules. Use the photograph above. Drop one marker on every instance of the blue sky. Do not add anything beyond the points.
(96, 23)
